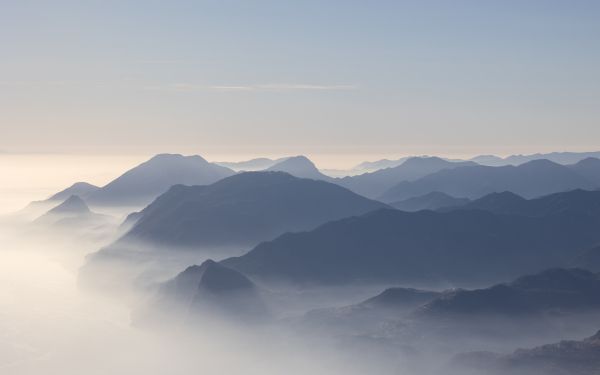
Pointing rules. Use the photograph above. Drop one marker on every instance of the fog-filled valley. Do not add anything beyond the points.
(287, 270)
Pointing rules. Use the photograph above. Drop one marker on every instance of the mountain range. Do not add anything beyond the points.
(532, 179)
(140, 185)
(243, 210)
(424, 246)
(376, 183)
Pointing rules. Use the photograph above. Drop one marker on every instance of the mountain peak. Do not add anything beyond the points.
(73, 205)
(299, 166)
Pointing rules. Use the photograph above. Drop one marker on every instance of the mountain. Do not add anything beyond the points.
(567, 357)
(395, 246)
(564, 158)
(72, 206)
(80, 189)
(71, 214)
(299, 166)
(578, 201)
(142, 184)
(431, 201)
(209, 288)
(257, 164)
(376, 183)
(489, 160)
(371, 166)
(532, 179)
(367, 316)
(243, 210)
(589, 168)
(558, 290)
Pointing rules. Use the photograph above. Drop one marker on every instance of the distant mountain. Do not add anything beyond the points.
(371, 166)
(376, 183)
(72, 206)
(564, 158)
(532, 179)
(367, 316)
(72, 213)
(299, 166)
(142, 184)
(431, 201)
(424, 246)
(589, 168)
(243, 210)
(575, 201)
(206, 289)
(489, 160)
(567, 357)
(257, 164)
(80, 189)
(558, 290)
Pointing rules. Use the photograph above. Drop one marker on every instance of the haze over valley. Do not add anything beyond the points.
(299, 187)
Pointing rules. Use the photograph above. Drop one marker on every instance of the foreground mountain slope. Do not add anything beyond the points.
(425, 246)
(376, 183)
(529, 180)
(243, 210)
(142, 184)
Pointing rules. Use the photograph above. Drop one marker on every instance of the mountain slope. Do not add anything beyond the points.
(424, 246)
(376, 183)
(243, 210)
(142, 184)
(431, 201)
(552, 290)
(206, 289)
(578, 201)
(257, 164)
(567, 357)
(299, 166)
(80, 189)
(532, 179)
(565, 158)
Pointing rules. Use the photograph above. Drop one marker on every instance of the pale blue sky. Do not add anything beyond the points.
(287, 77)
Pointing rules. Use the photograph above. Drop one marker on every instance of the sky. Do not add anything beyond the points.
(230, 79)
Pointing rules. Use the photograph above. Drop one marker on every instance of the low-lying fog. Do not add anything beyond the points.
(50, 326)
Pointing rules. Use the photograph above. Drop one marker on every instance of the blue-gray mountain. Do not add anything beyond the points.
(299, 166)
(567, 357)
(532, 179)
(430, 201)
(206, 289)
(244, 210)
(142, 184)
(425, 246)
(557, 157)
(582, 202)
(557, 290)
(376, 183)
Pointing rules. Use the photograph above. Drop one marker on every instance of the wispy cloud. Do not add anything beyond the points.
(271, 87)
